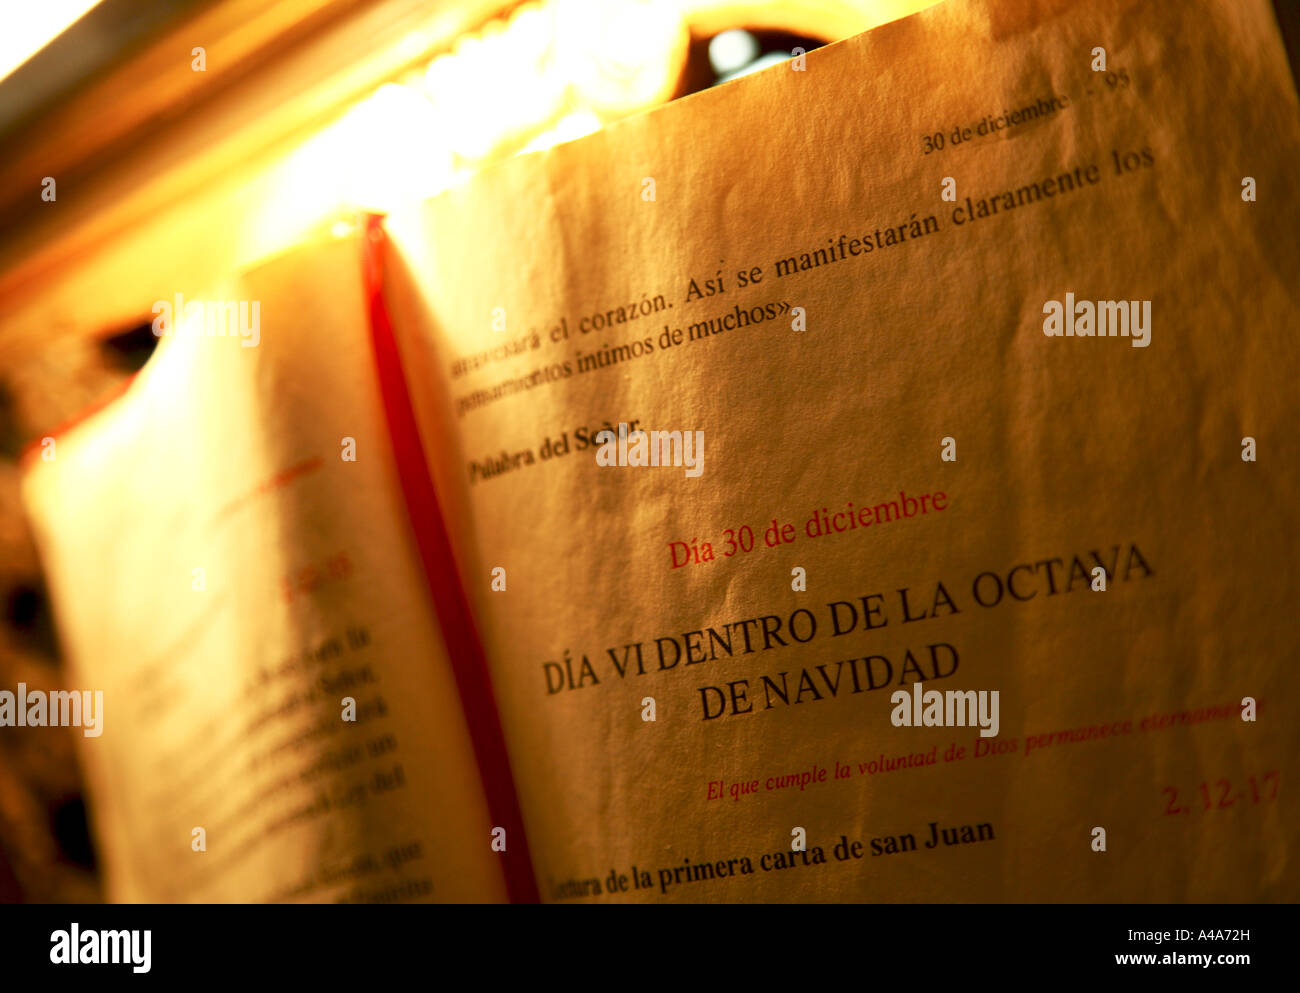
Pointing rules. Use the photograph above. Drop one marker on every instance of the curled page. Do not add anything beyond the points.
(235, 576)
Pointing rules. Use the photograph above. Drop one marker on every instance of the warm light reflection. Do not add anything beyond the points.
(29, 26)
(546, 73)
(392, 148)
(622, 56)
(570, 128)
(549, 73)
(385, 151)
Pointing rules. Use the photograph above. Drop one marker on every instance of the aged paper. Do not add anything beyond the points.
(900, 477)
(231, 562)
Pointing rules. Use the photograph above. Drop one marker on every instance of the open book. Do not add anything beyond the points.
(872, 479)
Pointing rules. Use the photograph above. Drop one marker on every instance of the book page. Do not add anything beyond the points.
(233, 569)
(969, 572)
